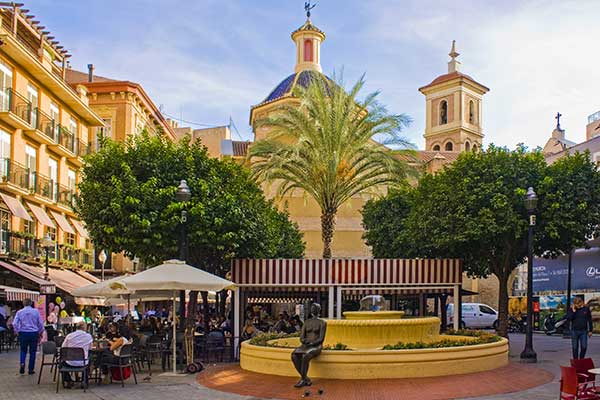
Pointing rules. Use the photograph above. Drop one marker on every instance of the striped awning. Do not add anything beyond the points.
(41, 215)
(62, 222)
(16, 294)
(15, 206)
(311, 273)
(80, 228)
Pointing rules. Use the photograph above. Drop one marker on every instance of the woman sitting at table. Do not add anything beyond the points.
(111, 355)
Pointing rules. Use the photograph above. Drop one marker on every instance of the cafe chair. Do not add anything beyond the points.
(583, 365)
(48, 349)
(72, 354)
(571, 388)
(215, 344)
(124, 360)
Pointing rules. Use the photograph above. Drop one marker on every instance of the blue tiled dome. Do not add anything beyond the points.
(304, 78)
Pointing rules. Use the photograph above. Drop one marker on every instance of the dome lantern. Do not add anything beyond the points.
(308, 39)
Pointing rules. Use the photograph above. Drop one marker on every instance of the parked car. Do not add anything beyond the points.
(474, 315)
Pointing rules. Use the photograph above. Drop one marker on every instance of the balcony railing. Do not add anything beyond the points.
(67, 139)
(83, 149)
(17, 174)
(20, 246)
(46, 124)
(45, 187)
(15, 103)
(66, 196)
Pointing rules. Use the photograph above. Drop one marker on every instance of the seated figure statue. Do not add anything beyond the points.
(311, 337)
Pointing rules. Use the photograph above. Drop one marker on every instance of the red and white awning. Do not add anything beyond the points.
(311, 273)
(17, 294)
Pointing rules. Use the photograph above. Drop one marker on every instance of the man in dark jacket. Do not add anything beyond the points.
(580, 317)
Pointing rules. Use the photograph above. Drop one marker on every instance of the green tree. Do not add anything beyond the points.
(127, 201)
(474, 210)
(326, 148)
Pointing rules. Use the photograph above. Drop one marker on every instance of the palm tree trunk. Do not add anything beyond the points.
(327, 228)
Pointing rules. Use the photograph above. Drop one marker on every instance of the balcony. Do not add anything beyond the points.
(20, 244)
(15, 109)
(45, 128)
(16, 177)
(82, 149)
(66, 142)
(45, 188)
(66, 197)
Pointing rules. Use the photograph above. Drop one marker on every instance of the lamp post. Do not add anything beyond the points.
(47, 243)
(183, 195)
(528, 355)
(102, 259)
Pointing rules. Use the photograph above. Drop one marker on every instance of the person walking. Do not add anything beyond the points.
(580, 317)
(29, 326)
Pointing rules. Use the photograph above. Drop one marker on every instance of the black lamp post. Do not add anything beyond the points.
(183, 195)
(47, 244)
(528, 355)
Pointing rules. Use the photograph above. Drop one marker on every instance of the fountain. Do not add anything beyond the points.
(363, 334)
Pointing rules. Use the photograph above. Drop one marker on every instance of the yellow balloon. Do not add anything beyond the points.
(58, 300)
(83, 313)
(63, 314)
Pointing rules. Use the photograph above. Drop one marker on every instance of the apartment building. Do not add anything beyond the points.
(45, 130)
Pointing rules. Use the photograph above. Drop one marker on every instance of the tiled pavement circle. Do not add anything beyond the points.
(552, 352)
(512, 378)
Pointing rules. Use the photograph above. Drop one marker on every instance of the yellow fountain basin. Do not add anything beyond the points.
(376, 333)
(373, 314)
(379, 364)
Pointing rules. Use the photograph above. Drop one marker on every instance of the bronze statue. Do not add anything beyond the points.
(311, 337)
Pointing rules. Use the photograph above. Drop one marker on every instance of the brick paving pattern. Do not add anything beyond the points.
(552, 352)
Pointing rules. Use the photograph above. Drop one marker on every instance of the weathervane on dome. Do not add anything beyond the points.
(308, 7)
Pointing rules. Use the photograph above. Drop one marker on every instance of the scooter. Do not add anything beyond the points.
(516, 325)
(551, 326)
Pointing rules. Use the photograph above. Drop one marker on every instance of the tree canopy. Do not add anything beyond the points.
(325, 147)
(127, 201)
(474, 210)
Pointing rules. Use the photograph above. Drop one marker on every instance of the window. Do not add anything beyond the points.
(308, 50)
(4, 152)
(70, 239)
(466, 308)
(471, 112)
(52, 232)
(443, 112)
(73, 127)
(5, 85)
(449, 146)
(486, 310)
(53, 175)
(4, 229)
(72, 180)
(28, 227)
(32, 96)
(436, 147)
(475, 147)
(54, 114)
(468, 146)
(31, 165)
(104, 131)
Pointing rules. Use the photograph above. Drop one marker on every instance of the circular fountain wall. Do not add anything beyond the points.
(365, 333)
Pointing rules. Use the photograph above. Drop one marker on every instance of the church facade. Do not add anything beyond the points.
(453, 102)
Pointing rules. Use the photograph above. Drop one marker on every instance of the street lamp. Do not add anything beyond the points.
(102, 259)
(47, 244)
(183, 195)
(528, 355)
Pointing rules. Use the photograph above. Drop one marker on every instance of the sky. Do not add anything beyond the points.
(208, 60)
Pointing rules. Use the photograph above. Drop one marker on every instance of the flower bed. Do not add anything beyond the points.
(478, 337)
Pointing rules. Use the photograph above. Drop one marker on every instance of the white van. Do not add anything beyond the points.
(474, 315)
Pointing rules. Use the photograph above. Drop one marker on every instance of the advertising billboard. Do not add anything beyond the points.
(551, 274)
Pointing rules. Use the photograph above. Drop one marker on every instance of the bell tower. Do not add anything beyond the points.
(453, 110)
(308, 39)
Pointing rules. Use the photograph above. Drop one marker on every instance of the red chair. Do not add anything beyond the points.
(583, 365)
(571, 389)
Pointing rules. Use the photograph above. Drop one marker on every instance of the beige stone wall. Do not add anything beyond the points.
(211, 138)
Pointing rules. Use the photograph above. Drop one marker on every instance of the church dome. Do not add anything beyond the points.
(303, 79)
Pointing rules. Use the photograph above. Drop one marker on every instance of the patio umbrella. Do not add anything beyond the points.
(108, 288)
(175, 275)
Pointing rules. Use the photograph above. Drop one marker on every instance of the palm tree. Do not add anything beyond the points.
(326, 148)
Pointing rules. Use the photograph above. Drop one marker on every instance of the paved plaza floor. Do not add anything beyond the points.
(552, 352)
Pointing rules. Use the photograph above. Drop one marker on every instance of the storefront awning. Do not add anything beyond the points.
(15, 207)
(64, 279)
(80, 228)
(41, 215)
(33, 277)
(16, 294)
(62, 222)
(89, 301)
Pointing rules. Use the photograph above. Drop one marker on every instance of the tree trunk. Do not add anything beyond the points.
(503, 305)
(204, 295)
(192, 309)
(327, 229)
